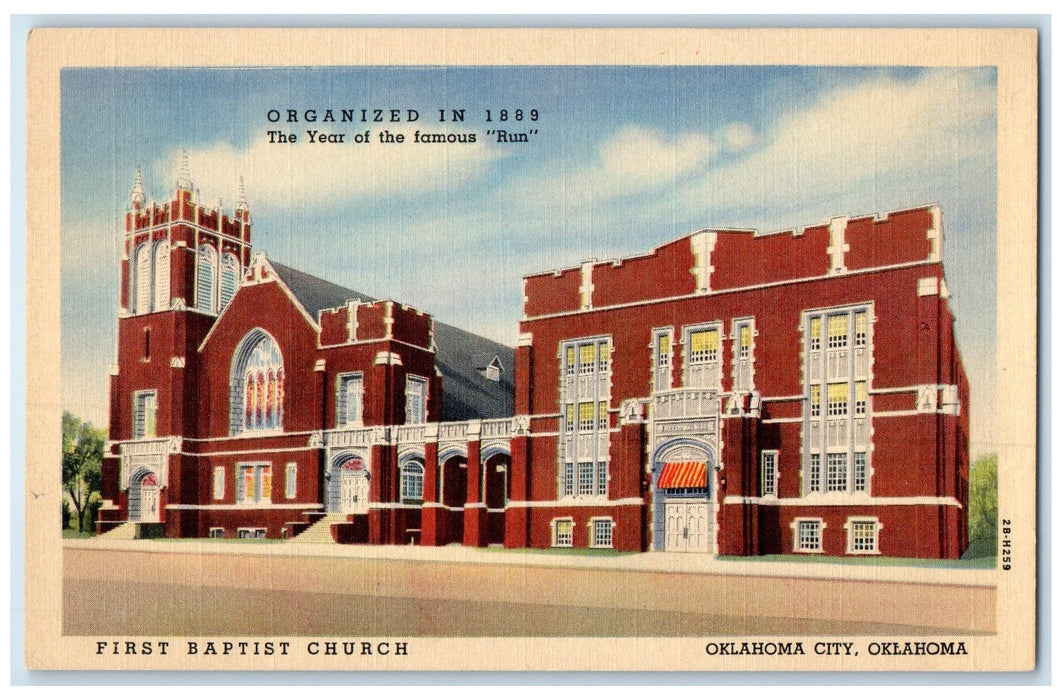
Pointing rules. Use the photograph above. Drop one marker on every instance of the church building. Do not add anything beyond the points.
(728, 393)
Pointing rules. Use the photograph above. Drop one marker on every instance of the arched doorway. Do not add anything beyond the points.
(684, 517)
(453, 492)
(348, 485)
(144, 497)
(496, 464)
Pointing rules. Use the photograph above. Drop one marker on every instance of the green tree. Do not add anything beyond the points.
(82, 462)
(984, 499)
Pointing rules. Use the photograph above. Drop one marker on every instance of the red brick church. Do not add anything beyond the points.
(726, 393)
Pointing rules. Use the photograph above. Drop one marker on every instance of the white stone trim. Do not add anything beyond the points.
(586, 285)
(794, 525)
(840, 498)
(848, 538)
(837, 247)
(927, 287)
(387, 358)
(244, 506)
(577, 502)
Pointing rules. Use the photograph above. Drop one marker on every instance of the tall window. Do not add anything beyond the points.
(863, 535)
(349, 399)
(662, 359)
(412, 481)
(584, 404)
(291, 471)
(257, 385)
(770, 473)
(601, 532)
(837, 406)
(142, 285)
(145, 407)
(230, 275)
(416, 400)
(254, 483)
(702, 357)
(206, 279)
(219, 483)
(743, 357)
(162, 276)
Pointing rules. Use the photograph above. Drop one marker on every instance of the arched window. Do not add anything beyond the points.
(206, 279)
(413, 481)
(230, 274)
(257, 385)
(162, 276)
(142, 279)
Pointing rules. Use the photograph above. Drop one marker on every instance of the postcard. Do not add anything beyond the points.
(514, 349)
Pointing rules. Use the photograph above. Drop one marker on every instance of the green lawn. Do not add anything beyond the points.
(567, 551)
(980, 555)
(75, 535)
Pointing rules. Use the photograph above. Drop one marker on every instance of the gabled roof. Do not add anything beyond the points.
(459, 356)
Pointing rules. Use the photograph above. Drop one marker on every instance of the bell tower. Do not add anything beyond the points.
(180, 266)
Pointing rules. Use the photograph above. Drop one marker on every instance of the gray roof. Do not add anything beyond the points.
(460, 356)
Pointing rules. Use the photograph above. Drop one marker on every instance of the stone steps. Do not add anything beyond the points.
(321, 531)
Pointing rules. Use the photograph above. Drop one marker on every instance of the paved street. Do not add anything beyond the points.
(190, 589)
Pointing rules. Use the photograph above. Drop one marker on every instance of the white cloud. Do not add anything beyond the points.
(325, 173)
(636, 158)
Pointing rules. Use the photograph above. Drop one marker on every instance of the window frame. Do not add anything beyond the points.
(219, 483)
(291, 480)
(851, 536)
(259, 481)
(798, 539)
(691, 362)
(769, 467)
(343, 396)
(592, 528)
(150, 428)
(411, 481)
(554, 527)
(420, 409)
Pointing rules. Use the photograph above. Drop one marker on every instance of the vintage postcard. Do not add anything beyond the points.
(508, 349)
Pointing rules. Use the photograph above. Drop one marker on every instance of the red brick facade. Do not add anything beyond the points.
(727, 393)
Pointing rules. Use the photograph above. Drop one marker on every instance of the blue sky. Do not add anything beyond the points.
(624, 159)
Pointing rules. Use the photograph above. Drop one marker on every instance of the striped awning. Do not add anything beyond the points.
(683, 475)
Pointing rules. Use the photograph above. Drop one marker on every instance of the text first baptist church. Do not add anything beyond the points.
(725, 393)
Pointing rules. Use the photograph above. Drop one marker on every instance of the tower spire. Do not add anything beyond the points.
(241, 197)
(184, 173)
(137, 195)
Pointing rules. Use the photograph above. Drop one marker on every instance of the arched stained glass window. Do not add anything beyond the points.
(257, 385)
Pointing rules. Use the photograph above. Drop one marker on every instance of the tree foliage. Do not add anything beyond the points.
(984, 498)
(82, 463)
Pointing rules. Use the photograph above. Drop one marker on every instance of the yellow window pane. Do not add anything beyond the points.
(564, 527)
(602, 409)
(838, 325)
(838, 392)
(586, 411)
(570, 356)
(586, 354)
(267, 482)
(746, 336)
(703, 341)
(861, 391)
(570, 411)
(861, 322)
(816, 326)
(603, 350)
(664, 344)
(816, 393)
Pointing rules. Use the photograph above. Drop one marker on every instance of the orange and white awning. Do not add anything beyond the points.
(683, 475)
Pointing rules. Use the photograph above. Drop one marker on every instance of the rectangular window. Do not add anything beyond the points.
(837, 472)
(290, 474)
(602, 478)
(586, 478)
(808, 536)
(602, 416)
(837, 399)
(145, 408)
(416, 400)
(816, 401)
(586, 417)
(219, 483)
(702, 359)
(217, 533)
(704, 346)
(863, 536)
(562, 533)
(587, 359)
(349, 399)
(601, 532)
(251, 533)
(770, 473)
(743, 331)
(859, 472)
(254, 483)
(662, 360)
(837, 331)
(815, 473)
(860, 329)
(860, 398)
(815, 339)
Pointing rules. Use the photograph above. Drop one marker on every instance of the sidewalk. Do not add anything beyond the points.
(658, 562)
